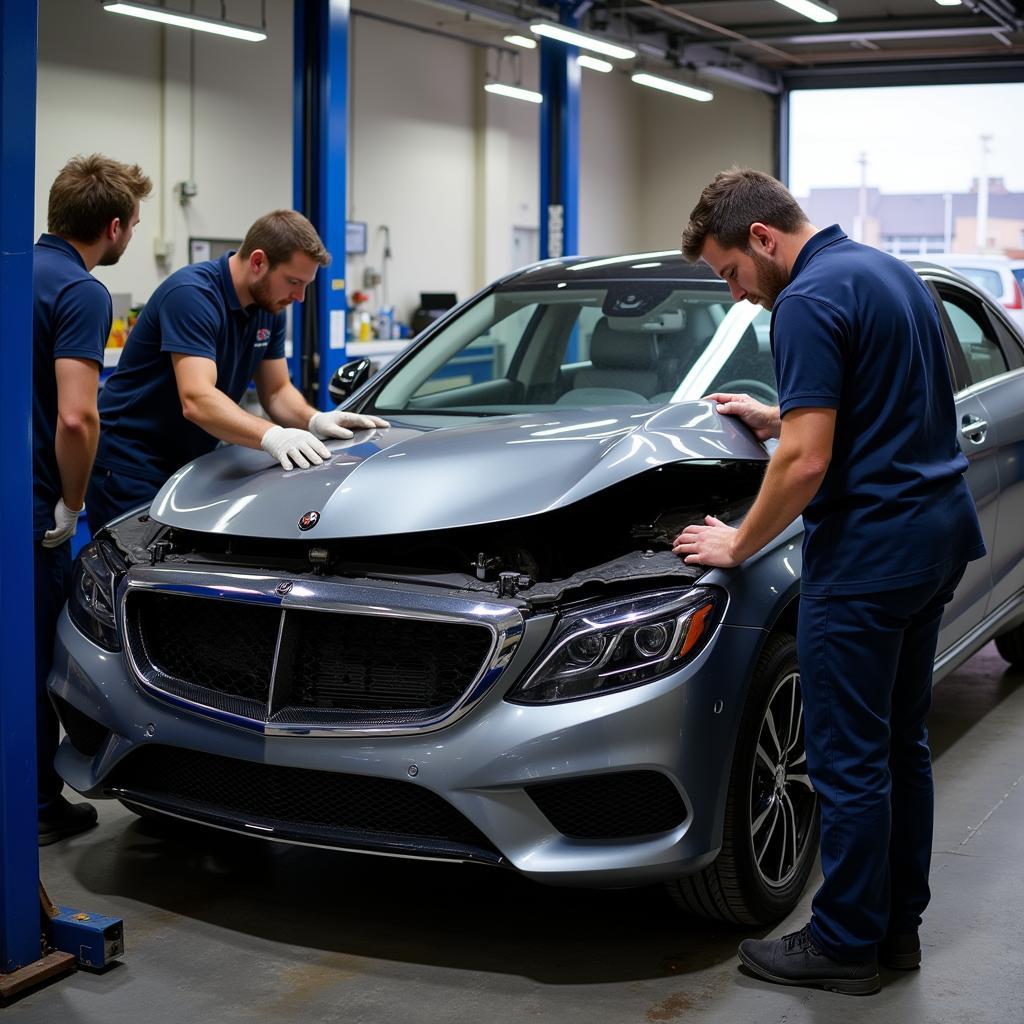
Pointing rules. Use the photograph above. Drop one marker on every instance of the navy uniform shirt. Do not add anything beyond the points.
(195, 312)
(71, 317)
(856, 330)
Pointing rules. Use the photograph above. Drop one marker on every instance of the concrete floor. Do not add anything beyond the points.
(229, 929)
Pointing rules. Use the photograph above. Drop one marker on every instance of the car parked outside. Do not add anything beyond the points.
(466, 637)
(998, 275)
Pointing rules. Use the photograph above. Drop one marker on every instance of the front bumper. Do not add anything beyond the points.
(681, 727)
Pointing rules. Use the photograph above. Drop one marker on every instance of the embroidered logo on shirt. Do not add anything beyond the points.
(263, 336)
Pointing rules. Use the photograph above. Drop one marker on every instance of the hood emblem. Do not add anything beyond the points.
(284, 587)
(309, 520)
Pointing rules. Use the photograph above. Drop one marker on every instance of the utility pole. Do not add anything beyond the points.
(981, 237)
(860, 228)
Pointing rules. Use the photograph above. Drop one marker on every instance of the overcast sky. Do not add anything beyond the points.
(917, 138)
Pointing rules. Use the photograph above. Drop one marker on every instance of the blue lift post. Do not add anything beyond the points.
(320, 186)
(23, 903)
(19, 851)
(559, 143)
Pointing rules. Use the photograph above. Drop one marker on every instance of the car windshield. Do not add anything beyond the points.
(519, 349)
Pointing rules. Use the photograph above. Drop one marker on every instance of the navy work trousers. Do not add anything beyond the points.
(866, 675)
(112, 493)
(52, 587)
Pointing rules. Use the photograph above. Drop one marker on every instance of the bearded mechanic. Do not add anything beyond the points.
(207, 331)
(868, 454)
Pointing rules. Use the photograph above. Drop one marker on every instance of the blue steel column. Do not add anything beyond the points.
(320, 186)
(559, 145)
(19, 851)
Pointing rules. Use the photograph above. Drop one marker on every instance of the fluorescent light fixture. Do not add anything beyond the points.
(166, 17)
(514, 92)
(949, 3)
(531, 44)
(811, 9)
(550, 30)
(677, 88)
(594, 63)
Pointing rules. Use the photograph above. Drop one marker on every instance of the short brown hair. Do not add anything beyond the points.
(732, 202)
(282, 233)
(90, 192)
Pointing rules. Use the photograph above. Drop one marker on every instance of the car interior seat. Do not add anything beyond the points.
(623, 368)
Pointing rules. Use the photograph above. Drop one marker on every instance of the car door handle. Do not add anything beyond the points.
(974, 428)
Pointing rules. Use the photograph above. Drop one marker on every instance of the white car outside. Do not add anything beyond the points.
(998, 275)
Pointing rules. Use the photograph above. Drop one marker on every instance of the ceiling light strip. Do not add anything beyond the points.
(818, 12)
(549, 30)
(514, 92)
(690, 92)
(524, 41)
(192, 21)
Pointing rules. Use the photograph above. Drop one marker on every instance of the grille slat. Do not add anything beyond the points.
(364, 663)
(332, 667)
(316, 806)
(221, 646)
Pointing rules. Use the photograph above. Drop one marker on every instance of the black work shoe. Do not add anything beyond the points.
(900, 952)
(796, 960)
(62, 819)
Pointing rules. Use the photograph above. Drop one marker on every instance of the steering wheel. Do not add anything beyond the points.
(755, 388)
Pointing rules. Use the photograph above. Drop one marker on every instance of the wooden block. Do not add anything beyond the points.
(35, 974)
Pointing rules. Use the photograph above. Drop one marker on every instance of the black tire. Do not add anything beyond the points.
(771, 827)
(1010, 645)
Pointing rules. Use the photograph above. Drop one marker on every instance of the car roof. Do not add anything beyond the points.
(971, 259)
(665, 265)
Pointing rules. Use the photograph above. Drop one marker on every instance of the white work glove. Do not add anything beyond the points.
(65, 522)
(290, 444)
(337, 424)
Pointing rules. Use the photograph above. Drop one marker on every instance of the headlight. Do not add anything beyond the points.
(617, 646)
(91, 605)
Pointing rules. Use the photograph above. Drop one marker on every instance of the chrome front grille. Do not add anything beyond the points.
(350, 665)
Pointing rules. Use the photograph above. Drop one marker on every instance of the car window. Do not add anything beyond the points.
(990, 280)
(625, 342)
(975, 336)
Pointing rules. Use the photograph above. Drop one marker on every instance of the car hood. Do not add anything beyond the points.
(410, 478)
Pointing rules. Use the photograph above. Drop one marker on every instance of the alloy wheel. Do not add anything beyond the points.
(783, 803)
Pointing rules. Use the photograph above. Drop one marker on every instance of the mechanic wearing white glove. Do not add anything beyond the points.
(65, 520)
(207, 331)
(93, 209)
(304, 448)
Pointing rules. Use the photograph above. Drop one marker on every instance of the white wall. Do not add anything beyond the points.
(100, 89)
(449, 168)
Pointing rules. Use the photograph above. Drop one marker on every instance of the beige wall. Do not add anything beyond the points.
(1003, 235)
(612, 190)
(684, 144)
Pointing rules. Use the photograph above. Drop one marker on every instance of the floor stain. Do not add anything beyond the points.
(671, 1008)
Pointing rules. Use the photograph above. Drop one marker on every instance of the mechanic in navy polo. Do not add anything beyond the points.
(868, 453)
(209, 330)
(92, 211)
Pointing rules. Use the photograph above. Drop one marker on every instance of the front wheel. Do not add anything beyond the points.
(770, 832)
(1011, 646)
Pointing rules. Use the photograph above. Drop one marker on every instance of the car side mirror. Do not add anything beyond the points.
(349, 378)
